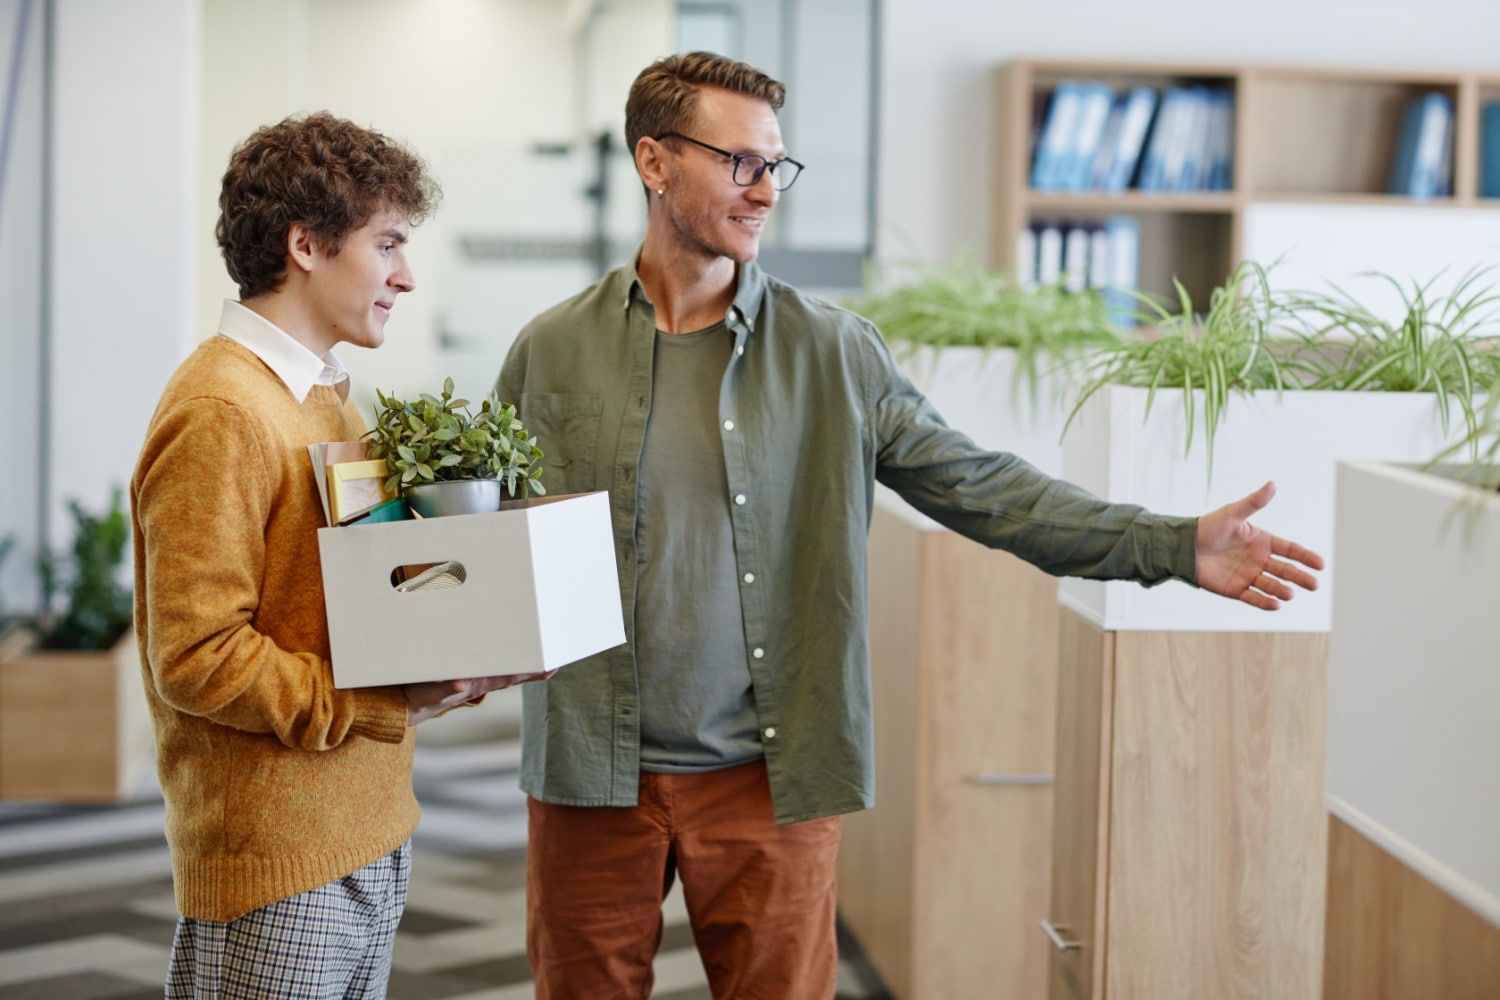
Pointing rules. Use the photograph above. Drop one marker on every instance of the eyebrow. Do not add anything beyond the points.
(397, 235)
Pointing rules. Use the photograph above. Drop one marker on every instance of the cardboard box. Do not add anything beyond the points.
(540, 591)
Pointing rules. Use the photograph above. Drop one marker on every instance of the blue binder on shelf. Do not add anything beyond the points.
(1434, 137)
(1095, 101)
(1160, 145)
(1221, 141)
(1049, 168)
(1406, 148)
(1137, 108)
(1489, 150)
(1424, 156)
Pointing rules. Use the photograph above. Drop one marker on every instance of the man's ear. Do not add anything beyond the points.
(651, 162)
(301, 247)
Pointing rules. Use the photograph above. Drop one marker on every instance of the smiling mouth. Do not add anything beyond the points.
(753, 222)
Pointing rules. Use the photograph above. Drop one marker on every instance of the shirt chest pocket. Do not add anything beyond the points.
(566, 427)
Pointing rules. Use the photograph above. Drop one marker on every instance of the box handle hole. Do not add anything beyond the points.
(429, 576)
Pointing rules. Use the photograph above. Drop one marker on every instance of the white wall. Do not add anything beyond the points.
(125, 140)
(939, 56)
(473, 86)
(20, 290)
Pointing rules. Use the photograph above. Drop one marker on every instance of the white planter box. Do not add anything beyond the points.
(541, 591)
(975, 391)
(1292, 438)
(1413, 683)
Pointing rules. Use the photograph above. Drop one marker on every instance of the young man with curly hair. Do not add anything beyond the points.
(740, 427)
(289, 803)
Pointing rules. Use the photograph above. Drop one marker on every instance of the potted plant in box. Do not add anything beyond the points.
(445, 459)
(1206, 408)
(73, 720)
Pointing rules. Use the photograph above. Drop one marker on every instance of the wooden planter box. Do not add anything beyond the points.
(1190, 837)
(1413, 696)
(74, 726)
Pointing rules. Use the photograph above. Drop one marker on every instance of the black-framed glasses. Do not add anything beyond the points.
(748, 167)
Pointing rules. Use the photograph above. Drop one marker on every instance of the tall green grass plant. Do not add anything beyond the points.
(962, 304)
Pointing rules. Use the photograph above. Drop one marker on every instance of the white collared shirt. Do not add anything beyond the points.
(296, 366)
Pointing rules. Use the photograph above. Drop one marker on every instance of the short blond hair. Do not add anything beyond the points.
(664, 97)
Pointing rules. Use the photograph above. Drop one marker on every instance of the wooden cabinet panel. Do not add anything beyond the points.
(943, 882)
(877, 854)
(1217, 818)
(1392, 935)
(1080, 836)
(1190, 833)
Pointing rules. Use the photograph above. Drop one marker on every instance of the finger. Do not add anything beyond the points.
(1256, 599)
(1292, 574)
(1267, 584)
(1246, 508)
(1291, 550)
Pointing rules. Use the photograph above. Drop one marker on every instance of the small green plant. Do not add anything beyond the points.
(1436, 345)
(1225, 350)
(433, 439)
(98, 608)
(961, 304)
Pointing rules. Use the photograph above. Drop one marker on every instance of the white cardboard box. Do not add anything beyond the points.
(541, 591)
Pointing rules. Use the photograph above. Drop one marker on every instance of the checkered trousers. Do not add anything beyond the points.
(333, 943)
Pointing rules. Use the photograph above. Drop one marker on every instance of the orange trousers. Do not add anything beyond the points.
(760, 897)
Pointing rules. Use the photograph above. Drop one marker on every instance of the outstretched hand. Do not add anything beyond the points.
(1236, 559)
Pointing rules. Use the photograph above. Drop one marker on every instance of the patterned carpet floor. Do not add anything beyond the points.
(86, 908)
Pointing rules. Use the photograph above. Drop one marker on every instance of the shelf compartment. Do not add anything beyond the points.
(1328, 132)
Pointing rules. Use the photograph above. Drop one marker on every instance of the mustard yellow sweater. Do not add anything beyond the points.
(275, 782)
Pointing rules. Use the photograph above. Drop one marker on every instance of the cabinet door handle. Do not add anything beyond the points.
(1012, 779)
(1055, 935)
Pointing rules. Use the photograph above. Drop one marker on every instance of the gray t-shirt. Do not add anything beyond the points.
(697, 708)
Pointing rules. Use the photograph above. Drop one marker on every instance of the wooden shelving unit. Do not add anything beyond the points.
(1312, 135)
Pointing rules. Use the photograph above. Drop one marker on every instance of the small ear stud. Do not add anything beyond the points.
(660, 192)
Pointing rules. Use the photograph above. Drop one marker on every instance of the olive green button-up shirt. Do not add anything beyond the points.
(813, 411)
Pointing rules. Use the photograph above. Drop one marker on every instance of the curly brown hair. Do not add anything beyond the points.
(664, 97)
(318, 170)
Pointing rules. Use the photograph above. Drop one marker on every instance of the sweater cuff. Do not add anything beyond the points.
(380, 714)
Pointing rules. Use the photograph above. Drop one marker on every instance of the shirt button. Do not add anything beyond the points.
(739, 498)
(733, 315)
(758, 653)
(739, 348)
(749, 577)
(729, 425)
(770, 732)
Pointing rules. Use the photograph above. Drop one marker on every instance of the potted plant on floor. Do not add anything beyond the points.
(445, 459)
(73, 720)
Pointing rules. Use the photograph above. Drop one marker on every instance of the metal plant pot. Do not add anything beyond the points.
(459, 496)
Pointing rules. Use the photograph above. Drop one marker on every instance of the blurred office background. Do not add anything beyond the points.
(119, 115)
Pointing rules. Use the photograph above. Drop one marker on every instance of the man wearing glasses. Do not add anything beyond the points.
(739, 427)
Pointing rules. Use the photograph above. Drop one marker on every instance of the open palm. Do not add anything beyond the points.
(1236, 559)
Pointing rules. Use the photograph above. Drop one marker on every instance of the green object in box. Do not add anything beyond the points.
(394, 509)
